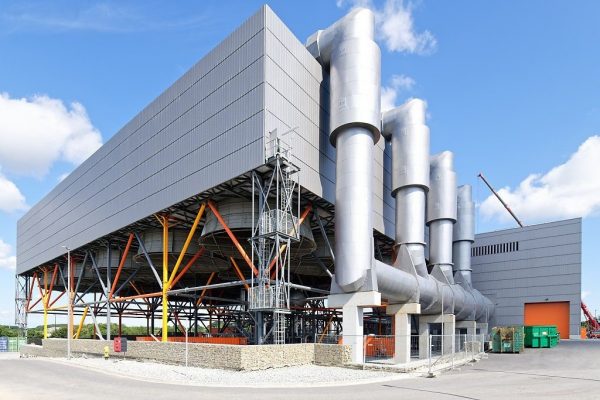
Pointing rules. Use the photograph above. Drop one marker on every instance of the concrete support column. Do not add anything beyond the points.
(470, 326)
(402, 329)
(449, 339)
(352, 305)
(481, 328)
(448, 323)
(423, 338)
(353, 331)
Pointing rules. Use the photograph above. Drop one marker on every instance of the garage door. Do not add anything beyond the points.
(549, 313)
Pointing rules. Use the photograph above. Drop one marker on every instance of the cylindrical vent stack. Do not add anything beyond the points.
(441, 211)
(464, 235)
(349, 49)
(405, 127)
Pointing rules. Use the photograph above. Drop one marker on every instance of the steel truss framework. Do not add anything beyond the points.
(175, 295)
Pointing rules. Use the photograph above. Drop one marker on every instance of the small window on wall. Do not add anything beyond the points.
(491, 249)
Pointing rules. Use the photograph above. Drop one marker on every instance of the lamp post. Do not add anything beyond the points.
(70, 303)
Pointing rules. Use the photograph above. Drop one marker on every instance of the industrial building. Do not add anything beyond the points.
(264, 196)
(532, 274)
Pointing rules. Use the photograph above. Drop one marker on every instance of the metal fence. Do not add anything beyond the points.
(430, 353)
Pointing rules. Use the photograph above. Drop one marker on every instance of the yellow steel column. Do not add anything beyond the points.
(165, 280)
(85, 312)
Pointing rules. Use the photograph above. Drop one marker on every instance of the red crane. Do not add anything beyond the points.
(593, 330)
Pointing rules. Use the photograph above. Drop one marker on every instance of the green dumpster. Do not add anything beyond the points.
(507, 339)
(541, 336)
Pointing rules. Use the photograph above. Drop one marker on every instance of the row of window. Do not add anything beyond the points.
(494, 249)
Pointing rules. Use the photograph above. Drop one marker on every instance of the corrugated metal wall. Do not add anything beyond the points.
(208, 127)
(296, 96)
(546, 267)
(205, 129)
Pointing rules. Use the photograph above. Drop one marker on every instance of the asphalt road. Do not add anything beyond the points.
(569, 371)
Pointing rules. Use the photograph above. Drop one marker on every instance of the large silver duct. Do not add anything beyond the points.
(349, 50)
(441, 212)
(405, 127)
(464, 236)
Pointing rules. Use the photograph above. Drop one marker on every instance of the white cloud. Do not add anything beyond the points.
(395, 26)
(7, 261)
(584, 294)
(102, 17)
(11, 198)
(35, 132)
(389, 94)
(571, 189)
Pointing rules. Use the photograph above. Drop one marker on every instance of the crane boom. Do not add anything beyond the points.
(593, 323)
(500, 199)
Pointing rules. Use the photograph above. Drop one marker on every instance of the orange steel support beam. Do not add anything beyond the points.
(188, 265)
(283, 246)
(121, 264)
(139, 296)
(138, 291)
(52, 281)
(40, 287)
(237, 244)
(56, 299)
(186, 245)
(210, 278)
(239, 272)
(34, 304)
(30, 291)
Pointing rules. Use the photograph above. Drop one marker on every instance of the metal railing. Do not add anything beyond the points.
(426, 353)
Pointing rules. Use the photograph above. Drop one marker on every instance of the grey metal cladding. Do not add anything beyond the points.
(205, 129)
(547, 267)
(208, 127)
(296, 96)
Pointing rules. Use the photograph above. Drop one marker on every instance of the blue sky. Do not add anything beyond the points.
(512, 88)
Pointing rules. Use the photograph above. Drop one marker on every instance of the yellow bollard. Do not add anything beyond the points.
(106, 352)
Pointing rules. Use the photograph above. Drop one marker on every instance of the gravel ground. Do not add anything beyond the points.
(306, 375)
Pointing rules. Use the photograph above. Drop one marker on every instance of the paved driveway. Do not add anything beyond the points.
(569, 371)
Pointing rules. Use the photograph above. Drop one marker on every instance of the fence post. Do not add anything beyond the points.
(429, 352)
(453, 349)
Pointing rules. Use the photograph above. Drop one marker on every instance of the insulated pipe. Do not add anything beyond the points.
(405, 127)
(349, 50)
(441, 212)
(464, 236)
(353, 58)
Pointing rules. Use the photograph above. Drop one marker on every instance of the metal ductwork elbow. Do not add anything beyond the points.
(405, 127)
(441, 211)
(348, 50)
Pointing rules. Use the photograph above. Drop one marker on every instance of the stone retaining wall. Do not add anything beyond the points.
(203, 355)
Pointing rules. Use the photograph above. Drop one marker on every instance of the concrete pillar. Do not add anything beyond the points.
(448, 322)
(481, 328)
(402, 329)
(352, 305)
(471, 327)
(449, 333)
(352, 323)
(423, 338)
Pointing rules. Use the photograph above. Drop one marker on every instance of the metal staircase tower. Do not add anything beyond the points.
(276, 206)
(21, 295)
